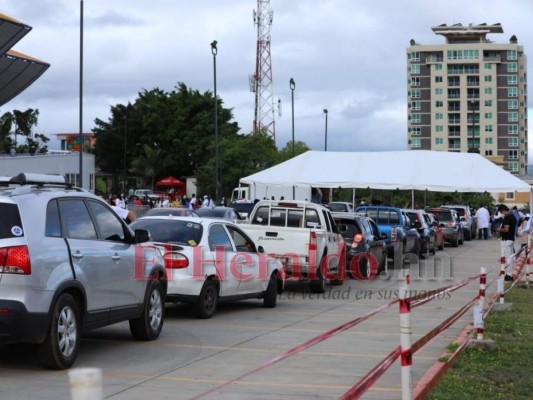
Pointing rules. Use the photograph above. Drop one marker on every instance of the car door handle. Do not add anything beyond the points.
(115, 257)
(77, 255)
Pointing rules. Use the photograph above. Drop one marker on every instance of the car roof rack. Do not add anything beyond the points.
(39, 180)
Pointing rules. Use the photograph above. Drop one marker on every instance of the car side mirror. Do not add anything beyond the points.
(141, 236)
(260, 249)
(342, 228)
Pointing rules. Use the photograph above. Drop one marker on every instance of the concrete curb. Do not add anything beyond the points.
(430, 378)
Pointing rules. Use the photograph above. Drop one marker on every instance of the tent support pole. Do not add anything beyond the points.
(353, 198)
(412, 198)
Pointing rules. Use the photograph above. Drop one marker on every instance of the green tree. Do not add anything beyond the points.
(286, 152)
(21, 123)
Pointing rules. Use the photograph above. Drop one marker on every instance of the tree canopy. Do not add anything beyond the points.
(173, 133)
(21, 123)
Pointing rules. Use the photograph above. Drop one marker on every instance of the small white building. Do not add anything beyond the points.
(54, 162)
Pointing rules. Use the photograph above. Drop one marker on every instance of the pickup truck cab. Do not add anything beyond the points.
(401, 236)
(304, 236)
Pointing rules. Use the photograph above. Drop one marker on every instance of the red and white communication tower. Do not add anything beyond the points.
(261, 81)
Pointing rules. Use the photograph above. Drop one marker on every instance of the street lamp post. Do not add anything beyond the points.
(214, 50)
(473, 148)
(326, 131)
(292, 85)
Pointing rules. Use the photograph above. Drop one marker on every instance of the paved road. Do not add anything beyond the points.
(193, 356)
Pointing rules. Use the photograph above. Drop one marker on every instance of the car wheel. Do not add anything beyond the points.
(462, 240)
(60, 349)
(271, 294)
(149, 325)
(318, 285)
(341, 269)
(207, 303)
(455, 242)
(468, 236)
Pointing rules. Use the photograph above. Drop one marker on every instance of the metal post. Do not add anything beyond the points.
(481, 300)
(80, 135)
(405, 336)
(214, 50)
(326, 131)
(125, 154)
(292, 85)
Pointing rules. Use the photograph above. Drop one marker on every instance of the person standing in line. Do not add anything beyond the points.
(193, 203)
(508, 235)
(205, 203)
(483, 222)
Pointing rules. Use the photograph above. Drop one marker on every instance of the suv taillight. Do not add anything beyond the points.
(358, 237)
(15, 260)
(393, 235)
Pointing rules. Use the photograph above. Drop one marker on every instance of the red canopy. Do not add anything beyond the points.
(170, 181)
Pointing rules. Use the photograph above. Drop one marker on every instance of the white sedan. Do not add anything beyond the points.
(212, 260)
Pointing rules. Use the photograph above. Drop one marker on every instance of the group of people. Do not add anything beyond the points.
(206, 202)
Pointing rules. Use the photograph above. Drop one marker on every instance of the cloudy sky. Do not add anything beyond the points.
(347, 56)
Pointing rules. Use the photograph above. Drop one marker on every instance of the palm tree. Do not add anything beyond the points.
(149, 163)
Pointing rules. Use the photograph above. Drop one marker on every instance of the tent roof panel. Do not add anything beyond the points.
(418, 170)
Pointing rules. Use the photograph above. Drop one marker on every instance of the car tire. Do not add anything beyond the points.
(341, 270)
(60, 348)
(468, 236)
(149, 325)
(318, 285)
(206, 305)
(271, 294)
(455, 241)
(462, 240)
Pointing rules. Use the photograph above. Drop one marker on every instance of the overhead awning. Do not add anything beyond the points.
(17, 70)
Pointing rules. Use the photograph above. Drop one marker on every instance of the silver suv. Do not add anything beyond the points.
(468, 220)
(68, 264)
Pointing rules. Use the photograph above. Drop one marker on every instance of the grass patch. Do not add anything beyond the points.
(503, 373)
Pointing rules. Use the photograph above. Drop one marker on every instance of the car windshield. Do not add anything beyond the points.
(185, 233)
(442, 215)
(213, 212)
(338, 206)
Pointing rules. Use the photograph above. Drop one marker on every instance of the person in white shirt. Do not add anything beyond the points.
(483, 222)
(205, 203)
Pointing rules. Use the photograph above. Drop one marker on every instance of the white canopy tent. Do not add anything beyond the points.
(406, 170)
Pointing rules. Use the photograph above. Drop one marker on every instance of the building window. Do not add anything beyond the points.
(439, 116)
(513, 142)
(488, 90)
(512, 80)
(488, 128)
(488, 115)
(416, 131)
(488, 78)
(488, 152)
(439, 103)
(488, 103)
(488, 140)
(512, 92)
(513, 130)
(512, 104)
(438, 67)
(415, 93)
(415, 105)
(438, 91)
(415, 143)
(439, 140)
(439, 128)
(513, 154)
(512, 67)
(438, 79)
(416, 118)
(415, 81)
(415, 56)
(415, 68)
(512, 117)
(487, 66)
(513, 167)
(511, 55)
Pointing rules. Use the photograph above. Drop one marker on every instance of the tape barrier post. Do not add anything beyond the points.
(500, 288)
(481, 301)
(405, 336)
(86, 384)
(502, 264)
(528, 262)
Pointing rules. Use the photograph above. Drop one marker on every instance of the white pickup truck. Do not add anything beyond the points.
(303, 236)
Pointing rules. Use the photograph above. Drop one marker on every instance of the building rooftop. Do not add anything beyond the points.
(458, 33)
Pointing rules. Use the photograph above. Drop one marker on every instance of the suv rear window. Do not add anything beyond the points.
(10, 225)
(442, 215)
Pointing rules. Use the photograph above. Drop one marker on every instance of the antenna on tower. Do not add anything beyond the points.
(261, 81)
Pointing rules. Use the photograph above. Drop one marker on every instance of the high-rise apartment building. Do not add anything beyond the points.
(469, 94)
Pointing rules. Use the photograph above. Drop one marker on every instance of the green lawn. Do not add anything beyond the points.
(504, 373)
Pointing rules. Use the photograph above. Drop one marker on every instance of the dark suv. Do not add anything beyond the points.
(362, 237)
(421, 222)
(69, 263)
(467, 218)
